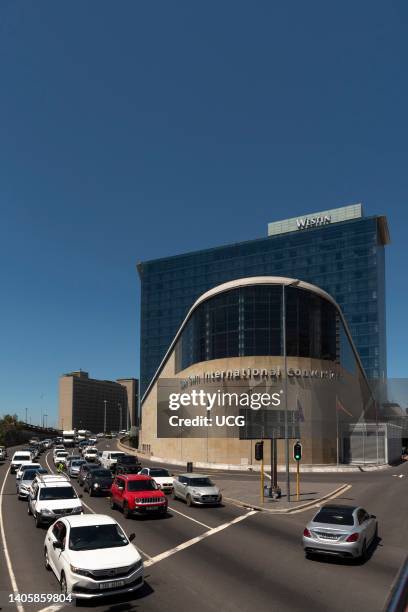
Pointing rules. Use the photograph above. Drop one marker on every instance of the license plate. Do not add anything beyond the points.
(112, 585)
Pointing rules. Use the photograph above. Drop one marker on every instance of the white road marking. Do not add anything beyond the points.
(190, 518)
(5, 549)
(322, 502)
(203, 536)
(54, 608)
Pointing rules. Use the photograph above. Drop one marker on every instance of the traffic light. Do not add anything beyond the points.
(297, 451)
(259, 451)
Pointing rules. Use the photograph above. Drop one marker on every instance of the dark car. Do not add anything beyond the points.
(83, 471)
(98, 482)
(127, 464)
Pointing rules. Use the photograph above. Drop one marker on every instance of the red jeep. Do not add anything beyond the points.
(137, 493)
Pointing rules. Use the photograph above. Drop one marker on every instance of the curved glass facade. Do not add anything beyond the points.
(247, 321)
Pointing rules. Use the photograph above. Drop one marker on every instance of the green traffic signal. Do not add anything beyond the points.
(297, 451)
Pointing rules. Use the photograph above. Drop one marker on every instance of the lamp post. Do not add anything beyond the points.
(285, 361)
(26, 415)
(104, 418)
(45, 420)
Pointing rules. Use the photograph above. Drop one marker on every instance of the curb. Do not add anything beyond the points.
(305, 506)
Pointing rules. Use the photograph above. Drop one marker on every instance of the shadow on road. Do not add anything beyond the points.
(122, 603)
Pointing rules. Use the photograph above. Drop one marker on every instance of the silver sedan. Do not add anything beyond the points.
(344, 531)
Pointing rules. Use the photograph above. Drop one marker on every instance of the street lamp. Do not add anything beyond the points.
(104, 418)
(285, 361)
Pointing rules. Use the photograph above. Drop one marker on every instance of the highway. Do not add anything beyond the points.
(228, 558)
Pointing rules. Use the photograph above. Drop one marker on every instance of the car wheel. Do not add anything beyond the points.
(91, 493)
(126, 511)
(189, 501)
(37, 521)
(364, 551)
(112, 504)
(174, 495)
(46, 560)
(375, 538)
(29, 509)
(63, 584)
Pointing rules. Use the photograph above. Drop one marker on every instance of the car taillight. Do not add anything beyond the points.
(307, 533)
(353, 537)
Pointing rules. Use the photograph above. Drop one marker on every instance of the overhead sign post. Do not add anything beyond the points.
(297, 456)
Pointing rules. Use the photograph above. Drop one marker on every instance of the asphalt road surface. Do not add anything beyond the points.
(229, 558)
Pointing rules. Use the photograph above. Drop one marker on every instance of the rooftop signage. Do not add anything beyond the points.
(318, 219)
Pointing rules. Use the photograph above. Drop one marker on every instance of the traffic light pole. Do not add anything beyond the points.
(297, 480)
(285, 361)
(262, 480)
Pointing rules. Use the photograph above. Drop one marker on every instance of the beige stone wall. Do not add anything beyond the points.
(66, 391)
(318, 404)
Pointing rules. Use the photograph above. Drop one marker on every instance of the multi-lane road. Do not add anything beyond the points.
(228, 558)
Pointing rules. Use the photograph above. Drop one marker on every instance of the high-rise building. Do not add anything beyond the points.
(97, 405)
(340, 251)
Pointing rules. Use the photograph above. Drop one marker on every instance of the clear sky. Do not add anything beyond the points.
(136, 130)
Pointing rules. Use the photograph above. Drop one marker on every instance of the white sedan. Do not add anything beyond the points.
(92, 557)
(161, 477)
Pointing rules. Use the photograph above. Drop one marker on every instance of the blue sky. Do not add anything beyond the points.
(137, 130)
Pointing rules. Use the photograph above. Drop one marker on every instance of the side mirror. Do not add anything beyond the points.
(132, 537)
(372, 516)
(57, 545)
(80, 496)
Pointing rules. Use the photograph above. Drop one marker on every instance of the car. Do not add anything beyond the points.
(3, 453)
(83, 470)
(93, 441)
(161, 477)
(24, 484)
(60, 457)
(98, 482)
(51, 497)
(109, 458)
(196, 489)
(47, 443)
(127, 464)
(74, 467)
(71, 458)
(90, 454)
(18, 459)
(100, 435)
(341, 530)
(23, 467)
(92, 557)
(137, 494)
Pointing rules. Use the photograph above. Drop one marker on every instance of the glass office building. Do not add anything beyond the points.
(340, 250)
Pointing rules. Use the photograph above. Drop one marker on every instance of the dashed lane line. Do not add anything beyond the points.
(203, 536)
(5, 549)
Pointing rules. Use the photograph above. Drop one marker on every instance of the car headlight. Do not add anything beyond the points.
(80, 571)
(96, 485)
(136, 566)
(46, 511)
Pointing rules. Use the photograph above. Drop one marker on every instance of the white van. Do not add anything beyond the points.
(19, 458)
(110, 458)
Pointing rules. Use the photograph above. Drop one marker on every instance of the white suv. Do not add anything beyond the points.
(92, 557)
(20, 458)
(51, 497)
(60, 456)
(90, 454)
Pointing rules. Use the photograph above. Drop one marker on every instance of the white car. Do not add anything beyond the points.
(20, 458)
(93, 441)
(90, 454)
(92, 557)
(60, 457)
(161, 477)
(110, 458)
(51, 497)
(24, 466)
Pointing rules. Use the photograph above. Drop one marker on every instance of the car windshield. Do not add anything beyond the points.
(200, 482)
(142, 485)
(77, 462)
(335, 516)
(58, 493)
(102, 473)
(29, 474)
(158, 472)
(117, 455)
(91, 451)
(92, 537)
(21, 458)
(62, 454)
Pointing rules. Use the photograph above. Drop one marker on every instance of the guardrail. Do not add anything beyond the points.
(397, 600)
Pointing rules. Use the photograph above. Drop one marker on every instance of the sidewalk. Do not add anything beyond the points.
(248, 494)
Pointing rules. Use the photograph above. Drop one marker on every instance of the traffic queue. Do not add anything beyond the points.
(89, 553)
